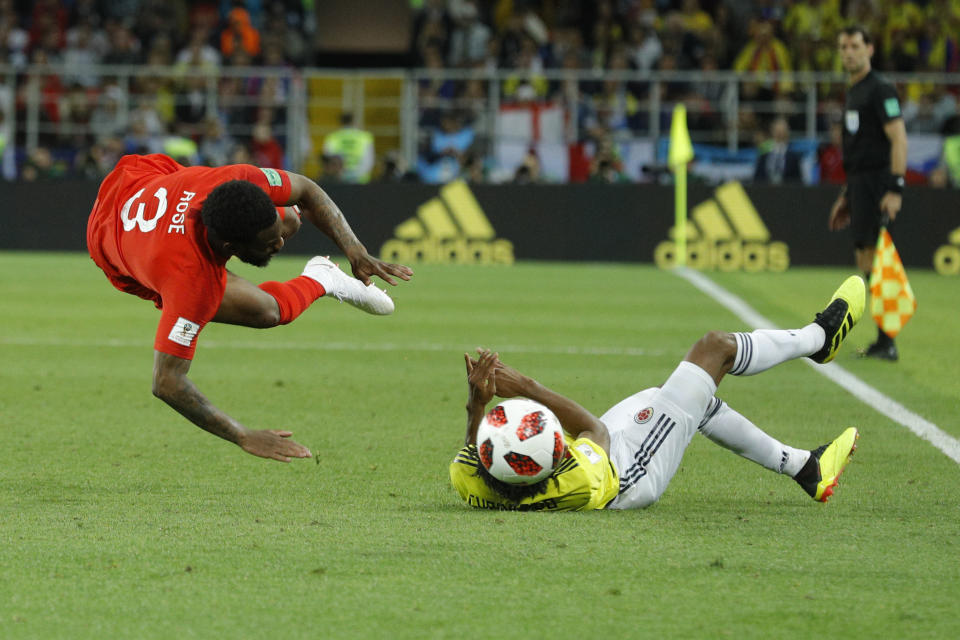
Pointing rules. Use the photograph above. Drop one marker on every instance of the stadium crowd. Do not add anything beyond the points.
(91, 119)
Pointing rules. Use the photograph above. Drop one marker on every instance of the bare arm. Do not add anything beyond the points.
(896, 132)
(322, 212)
(576, 420)
(171, 384)
(482, 383)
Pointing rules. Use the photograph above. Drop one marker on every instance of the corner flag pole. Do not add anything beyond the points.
(680, 154)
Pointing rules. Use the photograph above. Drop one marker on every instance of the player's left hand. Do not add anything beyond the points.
(890, 205)
(510, 382)
(366, 266)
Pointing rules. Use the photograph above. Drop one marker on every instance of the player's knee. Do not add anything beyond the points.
(718, 342)
(266, 318)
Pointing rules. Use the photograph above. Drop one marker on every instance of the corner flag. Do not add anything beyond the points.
(681, 149)
(892, 302)
(679, 154)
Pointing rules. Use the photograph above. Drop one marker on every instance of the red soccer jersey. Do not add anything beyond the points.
(146, 233)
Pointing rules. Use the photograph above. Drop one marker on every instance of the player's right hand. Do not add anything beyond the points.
(273, 444)
(481, 376)
(839, 214)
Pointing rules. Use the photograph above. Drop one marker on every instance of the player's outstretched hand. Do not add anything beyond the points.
(481, 376)
(273, 444)
(510, 382)
(366, 266)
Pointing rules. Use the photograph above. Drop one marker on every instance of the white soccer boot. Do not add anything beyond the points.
(348, 289)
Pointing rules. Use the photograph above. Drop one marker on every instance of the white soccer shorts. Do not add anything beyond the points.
(650, 430)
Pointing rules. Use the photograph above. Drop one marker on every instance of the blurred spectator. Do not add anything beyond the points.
(764, 53)
(280, 32)
(124, 47)
(198, 52)
(79, 56)
(951, 150)
(939, 44)
(644, 48)
(695, 19)
(470, 37)
(240, 154)
(215, 144)
(181, 147)
(239, 34)
(528, 82)
(607, 31)
(606, 165)
(432, 28)
(474, 168)
(331, 168)
(41, 165)
(447, 149)
(106, 120)
(394, 169)
(266, 151)
(99, 159)
(830, 157)
(75, 119)
(145, 133)
(529, 170)
(354, 146)
(779, 164)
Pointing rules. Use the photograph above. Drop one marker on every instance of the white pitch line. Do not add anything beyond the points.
(878, 401)
(341, 346)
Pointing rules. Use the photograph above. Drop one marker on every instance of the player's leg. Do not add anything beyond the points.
(733, 431)
(820, 340)
(650, 431)
(267, 305)
(817, 471)
(866, 191)
(348, 289)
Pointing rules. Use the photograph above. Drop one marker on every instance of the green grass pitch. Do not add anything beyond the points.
(119, 519)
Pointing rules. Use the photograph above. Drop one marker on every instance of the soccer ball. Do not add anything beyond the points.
(520, 442)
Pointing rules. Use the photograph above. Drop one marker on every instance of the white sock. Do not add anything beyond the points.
(764, 348)
(729, 429)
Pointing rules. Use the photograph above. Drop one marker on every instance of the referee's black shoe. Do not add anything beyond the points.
(883, 350)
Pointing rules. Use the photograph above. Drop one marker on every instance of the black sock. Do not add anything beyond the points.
(883, 339)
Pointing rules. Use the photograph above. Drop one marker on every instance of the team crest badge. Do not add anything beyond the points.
(643, 415)
(852, 120)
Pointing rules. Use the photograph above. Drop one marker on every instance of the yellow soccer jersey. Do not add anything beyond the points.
(586, 479)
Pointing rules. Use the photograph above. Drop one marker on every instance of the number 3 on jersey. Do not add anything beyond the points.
(138, 220)
(145, 224)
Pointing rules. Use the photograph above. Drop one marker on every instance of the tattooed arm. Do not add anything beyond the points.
(319, 209)
(171, 384)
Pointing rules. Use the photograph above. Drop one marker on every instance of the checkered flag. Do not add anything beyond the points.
(892, 302)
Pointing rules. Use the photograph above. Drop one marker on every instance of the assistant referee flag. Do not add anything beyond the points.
(892, 302)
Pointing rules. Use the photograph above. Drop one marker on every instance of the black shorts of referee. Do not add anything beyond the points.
(865, 189)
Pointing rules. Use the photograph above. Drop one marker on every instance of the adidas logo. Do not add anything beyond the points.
(726, 233)
(946, 259)
(450, 228)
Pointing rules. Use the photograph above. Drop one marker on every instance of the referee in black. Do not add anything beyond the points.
(874, 158)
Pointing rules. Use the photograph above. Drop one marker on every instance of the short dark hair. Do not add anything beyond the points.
(854, 29)
(513, 492)
(237, 211)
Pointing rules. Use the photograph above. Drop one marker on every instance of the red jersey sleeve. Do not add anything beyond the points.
(189, 303)
(275, 182)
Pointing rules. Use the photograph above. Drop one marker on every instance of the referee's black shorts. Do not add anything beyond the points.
(864, 192)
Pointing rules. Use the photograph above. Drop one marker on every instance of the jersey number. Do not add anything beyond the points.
(139, 220)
